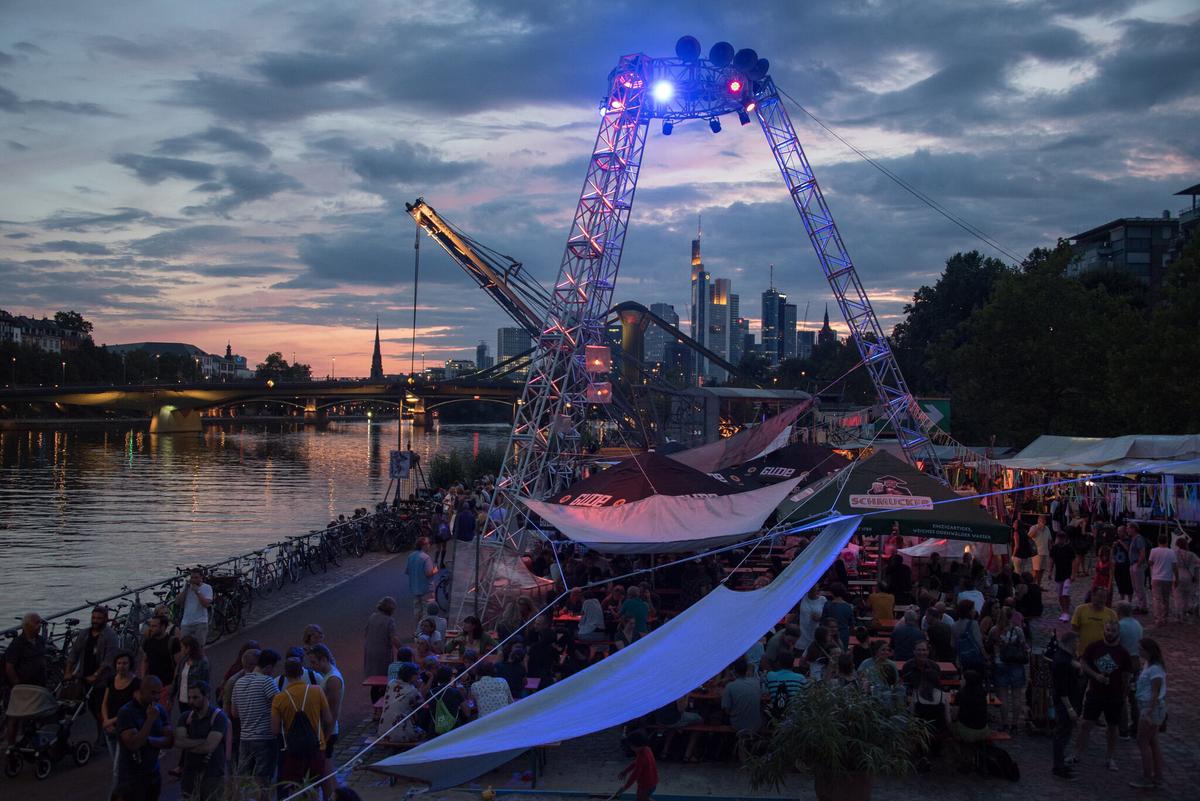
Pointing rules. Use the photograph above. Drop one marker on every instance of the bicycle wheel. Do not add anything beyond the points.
(441, 592)
(216, 625)
(280, 572)
(295, 568)
(233, 615)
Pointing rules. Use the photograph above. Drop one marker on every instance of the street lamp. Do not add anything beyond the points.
(156, 365)
(333, 370)
(197, 369)
(64, 378)
(14, 372)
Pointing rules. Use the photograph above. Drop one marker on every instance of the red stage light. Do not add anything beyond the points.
(735, 85)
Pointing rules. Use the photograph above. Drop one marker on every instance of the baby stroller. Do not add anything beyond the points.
(44, 735)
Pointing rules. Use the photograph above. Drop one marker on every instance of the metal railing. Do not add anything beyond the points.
(238, 579)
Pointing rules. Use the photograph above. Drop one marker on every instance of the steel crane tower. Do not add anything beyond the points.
(542, 451)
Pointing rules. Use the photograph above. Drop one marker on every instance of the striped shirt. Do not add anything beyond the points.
(252, 696)
(793, 682)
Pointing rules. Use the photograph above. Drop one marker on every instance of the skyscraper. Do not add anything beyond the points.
(787, 331)
(701, 293)
(804, 344)
(511, 342)
(654, 349)
(773, 302)
(376, 357)
(482, 360)
(718, 324)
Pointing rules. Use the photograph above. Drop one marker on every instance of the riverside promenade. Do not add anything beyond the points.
(340, 601)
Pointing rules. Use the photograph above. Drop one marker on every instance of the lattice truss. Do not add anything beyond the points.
(543, 451)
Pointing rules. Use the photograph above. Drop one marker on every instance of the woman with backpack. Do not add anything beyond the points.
(968, 639)
(1010, 658)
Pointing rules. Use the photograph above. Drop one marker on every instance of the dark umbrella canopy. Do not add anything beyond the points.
(640, 477)
(803, 461)
(887, 491)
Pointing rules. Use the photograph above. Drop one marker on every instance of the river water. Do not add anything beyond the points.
(84, 511)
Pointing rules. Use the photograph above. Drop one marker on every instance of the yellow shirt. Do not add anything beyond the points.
(311, 705)
(1090, 624)
(883, 605)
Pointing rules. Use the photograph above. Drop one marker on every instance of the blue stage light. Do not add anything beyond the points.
(667, 128)
(663, 91)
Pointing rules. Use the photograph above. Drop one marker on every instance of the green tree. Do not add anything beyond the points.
(937, 311)
(276, 367)
(1038, 358)
(73, 321)
(1155, 385)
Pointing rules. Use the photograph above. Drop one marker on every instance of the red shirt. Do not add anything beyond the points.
(645, 770)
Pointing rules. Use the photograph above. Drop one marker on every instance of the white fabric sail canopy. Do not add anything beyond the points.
(665, 523)
(632, 682)
(752, 443)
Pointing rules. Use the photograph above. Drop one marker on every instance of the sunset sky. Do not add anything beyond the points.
(214, 171)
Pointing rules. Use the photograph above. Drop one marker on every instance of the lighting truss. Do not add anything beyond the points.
(543, 450)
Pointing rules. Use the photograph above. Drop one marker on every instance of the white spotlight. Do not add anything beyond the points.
(663, 91)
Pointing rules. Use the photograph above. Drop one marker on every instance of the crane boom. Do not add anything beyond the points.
(521, 297)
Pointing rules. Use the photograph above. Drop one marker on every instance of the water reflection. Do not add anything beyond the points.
(84, 511)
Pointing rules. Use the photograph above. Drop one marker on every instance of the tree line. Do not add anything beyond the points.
(1030, 350)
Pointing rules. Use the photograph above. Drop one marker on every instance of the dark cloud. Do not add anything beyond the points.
(12, 103)
(72, 246)
(169, 244)
(1156, 64)
(6, 59)
(240, 99)
(29, 47)
(361, 256)
(214, 138)
(403, 163)
(67, 220)
(15, 145)
(242, 185)
(142, 50)
(236, 270)
(156, 169)
(18, 235)
(312, 69)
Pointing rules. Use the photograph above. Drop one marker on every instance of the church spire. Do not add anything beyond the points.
(377, 356)
(826, 336)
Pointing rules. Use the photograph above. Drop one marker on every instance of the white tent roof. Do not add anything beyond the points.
(657, 669)
(1134, 453)
(751, 443)
(665, 523)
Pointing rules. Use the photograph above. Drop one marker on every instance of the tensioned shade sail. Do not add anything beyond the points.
(628, 684)
(1134, 453)
(640, 477)
(752, 443)
(802, 461)
(885, 491)
(666, 523)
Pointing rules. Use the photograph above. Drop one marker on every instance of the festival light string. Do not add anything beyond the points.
(918, 194)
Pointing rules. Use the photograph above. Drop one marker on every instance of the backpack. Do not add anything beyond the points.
(443, 719)
(312, 679)
(300, 740)
(1012, 650)
(779, 701)
(968, 650)
(997, 763)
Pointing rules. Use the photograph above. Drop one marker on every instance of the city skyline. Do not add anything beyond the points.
(222, 172)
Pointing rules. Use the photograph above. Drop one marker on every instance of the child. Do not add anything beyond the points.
(643, 769)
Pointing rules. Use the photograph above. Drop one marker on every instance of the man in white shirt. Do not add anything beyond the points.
(1162, 578)
(974, 596)
(1040, 534)
(808, 617)
(196, 598)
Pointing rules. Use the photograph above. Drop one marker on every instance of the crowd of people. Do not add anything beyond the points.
(949, 640)
(268, 723)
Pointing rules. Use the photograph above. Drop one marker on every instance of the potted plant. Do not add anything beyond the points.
(844, 736)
